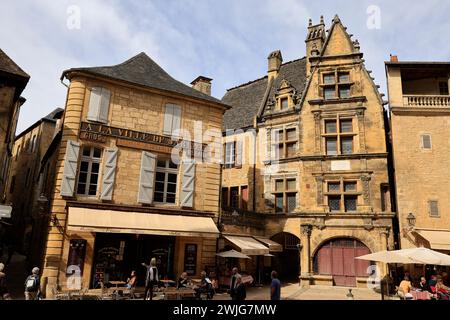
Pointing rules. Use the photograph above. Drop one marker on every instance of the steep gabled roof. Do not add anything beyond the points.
(7, 65)
(51, 117)
(142, 70)
(247, 98)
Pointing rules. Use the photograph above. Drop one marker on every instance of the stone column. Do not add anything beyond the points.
(306, 275)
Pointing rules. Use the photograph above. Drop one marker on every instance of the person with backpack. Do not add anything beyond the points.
(32, 285)
(151, 278)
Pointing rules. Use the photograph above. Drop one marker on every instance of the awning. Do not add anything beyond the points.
(438, 239)
(248, 245)
(273, 246)
(111, 221)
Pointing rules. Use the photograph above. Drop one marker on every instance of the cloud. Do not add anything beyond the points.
(226, 40)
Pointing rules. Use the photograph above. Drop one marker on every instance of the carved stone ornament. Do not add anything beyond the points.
(306, 229)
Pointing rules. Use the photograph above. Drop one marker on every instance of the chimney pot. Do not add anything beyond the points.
(274, 63)
(394, 58)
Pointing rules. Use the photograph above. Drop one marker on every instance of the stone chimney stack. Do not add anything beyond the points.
(314, 41)
(274, 60)
(202, 84)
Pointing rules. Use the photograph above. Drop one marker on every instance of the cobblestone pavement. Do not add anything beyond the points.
(292, 291)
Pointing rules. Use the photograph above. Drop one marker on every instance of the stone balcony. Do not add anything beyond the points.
(426, 101)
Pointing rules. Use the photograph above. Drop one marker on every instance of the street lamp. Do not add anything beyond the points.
(42, 203)
(411, 220)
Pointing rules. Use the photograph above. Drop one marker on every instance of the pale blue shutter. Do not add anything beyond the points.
(187, 183)
(168, 119)
(70, 168)
(109, 173)
(94, 104)
(104, 106)
(238, 152)
(147, 177)
(176, 120)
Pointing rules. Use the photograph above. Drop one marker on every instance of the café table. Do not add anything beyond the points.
(117, 284)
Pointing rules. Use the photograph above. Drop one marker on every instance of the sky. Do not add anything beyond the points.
(225, 40)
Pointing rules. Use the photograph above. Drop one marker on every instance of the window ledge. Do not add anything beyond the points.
(322, 101)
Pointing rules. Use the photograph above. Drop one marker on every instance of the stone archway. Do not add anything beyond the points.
(287, 262)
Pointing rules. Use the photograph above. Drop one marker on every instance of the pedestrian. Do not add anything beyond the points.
(4, 293)
(151, 278)
(131, 283)
(240, 291)
(275, 287)
(205, 287)
(234, 275)
(32, 285)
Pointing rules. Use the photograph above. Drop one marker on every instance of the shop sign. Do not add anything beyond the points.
(190, 259)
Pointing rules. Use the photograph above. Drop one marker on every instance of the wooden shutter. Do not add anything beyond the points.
(95, 100)
(168, 119)
(104, 106)
(70, 168)
(176, 120)
(109, 173)
(244, 198)
(238, 153)
(187, 183)
(147, 177)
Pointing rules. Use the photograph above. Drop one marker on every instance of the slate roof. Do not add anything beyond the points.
(9, 66)
(52, 117)
(142, 70)
(247, 98)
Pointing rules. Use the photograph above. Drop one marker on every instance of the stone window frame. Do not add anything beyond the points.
(342, 193)
(274, 142)
(361, 190)
(90, 160)
(422, 147)
(338, 135)
(336, 84)
(227, 204)
(284, 178)
(430, 213)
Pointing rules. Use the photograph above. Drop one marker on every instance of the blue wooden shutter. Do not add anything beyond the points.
(70, 168)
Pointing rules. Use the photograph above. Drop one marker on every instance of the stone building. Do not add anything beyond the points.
(419, 105)
(306, 164)
(12, 82)
(27, 182)
(121, 195)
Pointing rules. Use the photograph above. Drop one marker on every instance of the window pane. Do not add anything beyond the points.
(279, 135)
(84, 165)
(434, 209)
(159, 196)
(344, 77)
(291, 202)
(426, 141)
(291, 134)
(87, 151)
(171, 188)
(172, 177)
(443, 88)
(347, 145)
(234, 198)
(291, 185)
(334, 186)
(334, 203)
(279, 185)
(95, 167)
(346, 125)
(160, 176)
(81, 188)
(349, 186)
(284, 103)
(172, 165)
(329, 93)
(331, 146)
(279, 203)
(328, 78)
(92, 189)
(344, 91)
(350, 203)
(97, 153)
(94, 178)
(280, 151)
(161, 163)
(159, 186)
(330, 126)
(170, 198)
(291, 149)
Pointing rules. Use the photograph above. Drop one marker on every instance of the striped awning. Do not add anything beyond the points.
(247, 245)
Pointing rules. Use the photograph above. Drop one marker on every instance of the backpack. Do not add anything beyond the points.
(31, 284)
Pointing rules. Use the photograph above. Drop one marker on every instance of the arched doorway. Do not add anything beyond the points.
(336, 257)
(287, 262)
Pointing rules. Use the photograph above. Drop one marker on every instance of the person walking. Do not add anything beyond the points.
(151, 278)
(275, 287)
(234, 275)
(240, 290)
(32, 285)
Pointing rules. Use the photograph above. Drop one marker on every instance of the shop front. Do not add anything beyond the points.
(121, 241)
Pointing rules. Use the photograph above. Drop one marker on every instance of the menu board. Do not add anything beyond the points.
(190, 259)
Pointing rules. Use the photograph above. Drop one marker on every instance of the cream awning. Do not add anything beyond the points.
(273, 246)
(438, 239)
(248, 245)
(112, 221)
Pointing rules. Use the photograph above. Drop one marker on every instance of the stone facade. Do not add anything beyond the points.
(139, 108)
(303, 161)
(419, 105)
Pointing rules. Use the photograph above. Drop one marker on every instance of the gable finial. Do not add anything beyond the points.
(336, 18)
(310, 22)
(321, 20)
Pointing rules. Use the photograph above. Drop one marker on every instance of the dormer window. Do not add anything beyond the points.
(336, 85)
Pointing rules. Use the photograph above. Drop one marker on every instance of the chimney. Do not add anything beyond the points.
(202, 84)
(394, 58)
(314, 41)
(274, 60)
